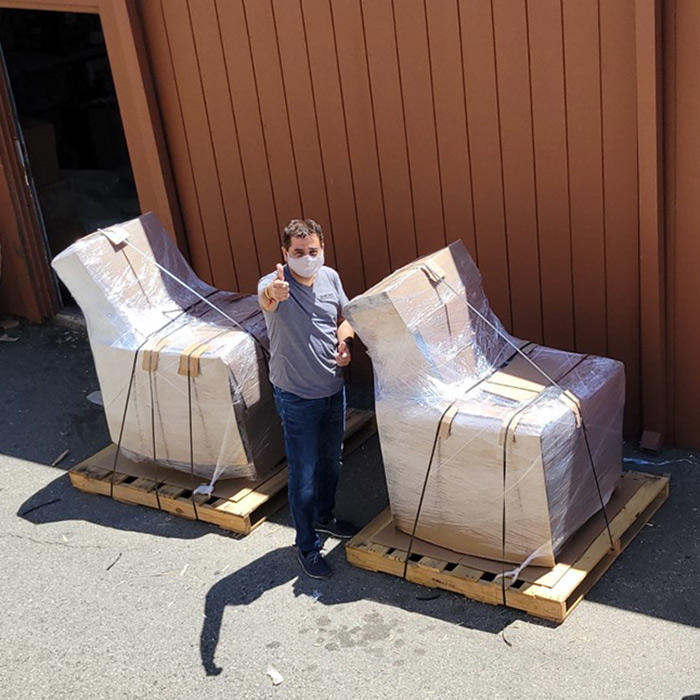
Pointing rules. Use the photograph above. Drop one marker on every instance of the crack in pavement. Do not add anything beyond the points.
(61, 544)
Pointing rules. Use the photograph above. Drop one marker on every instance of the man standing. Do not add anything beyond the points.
(310, 343)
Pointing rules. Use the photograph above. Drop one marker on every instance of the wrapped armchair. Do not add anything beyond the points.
(197, 386)
(510, 477)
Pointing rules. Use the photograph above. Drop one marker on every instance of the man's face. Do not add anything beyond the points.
(301, 246)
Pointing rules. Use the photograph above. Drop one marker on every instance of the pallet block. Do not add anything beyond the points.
(237, 505)
(546, 593)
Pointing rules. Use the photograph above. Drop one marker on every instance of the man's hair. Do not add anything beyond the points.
(301, 228)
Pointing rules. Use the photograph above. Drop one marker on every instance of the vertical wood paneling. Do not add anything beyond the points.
(552, 170)
(581, 54)
(196, 121)
(387, 100)
(244, 97)
(685, 241)
(652, 258)
(483, 123)
(620, 186)
(224, 136)
(302, 115)
(334, 145)
(176, 135)
(671, 156)
(273, 108)
(402, 125)
(357, 104)
(451, 122)
(512, 63)
(416, 83)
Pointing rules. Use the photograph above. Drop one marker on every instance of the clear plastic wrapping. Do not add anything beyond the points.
(185, 368)
(511, 478)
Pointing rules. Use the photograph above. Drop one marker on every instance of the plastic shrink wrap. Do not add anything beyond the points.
(180, 362)
(511, 478)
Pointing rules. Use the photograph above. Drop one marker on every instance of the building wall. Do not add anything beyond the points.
(682, 207)
(402, 126)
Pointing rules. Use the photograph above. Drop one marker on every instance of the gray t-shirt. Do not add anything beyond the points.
(303, 335)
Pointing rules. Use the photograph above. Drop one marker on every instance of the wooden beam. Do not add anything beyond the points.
(651, 234)
(143, 128)
(52, 5)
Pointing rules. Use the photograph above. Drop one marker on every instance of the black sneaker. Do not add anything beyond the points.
(336, 528)
(314, 564)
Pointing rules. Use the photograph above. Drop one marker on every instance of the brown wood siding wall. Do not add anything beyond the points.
(404, 125)
(682, 147)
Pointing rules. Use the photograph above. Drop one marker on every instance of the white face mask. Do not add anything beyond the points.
(306, 266)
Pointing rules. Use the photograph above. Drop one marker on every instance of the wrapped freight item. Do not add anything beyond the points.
(183, 384)
(502, 428)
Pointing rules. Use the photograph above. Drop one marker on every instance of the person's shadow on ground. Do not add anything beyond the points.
(348, 584)
(58, 501)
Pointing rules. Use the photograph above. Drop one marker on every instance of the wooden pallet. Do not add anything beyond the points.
(237, 505)
(547, 593)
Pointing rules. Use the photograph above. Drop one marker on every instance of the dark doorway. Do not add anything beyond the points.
(68, 113)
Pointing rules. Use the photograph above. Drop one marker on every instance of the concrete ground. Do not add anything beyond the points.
(106, 600)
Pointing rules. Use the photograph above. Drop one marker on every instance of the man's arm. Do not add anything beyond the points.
(346, 335)
(270, 296)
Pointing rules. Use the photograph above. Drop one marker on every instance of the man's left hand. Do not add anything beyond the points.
(343, 355)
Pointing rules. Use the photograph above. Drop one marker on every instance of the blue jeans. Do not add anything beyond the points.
(313, 439)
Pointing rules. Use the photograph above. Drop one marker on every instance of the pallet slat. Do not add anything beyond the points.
(554, 601)
(244, 506)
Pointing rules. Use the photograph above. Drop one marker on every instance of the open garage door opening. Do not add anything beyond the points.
(68, 114)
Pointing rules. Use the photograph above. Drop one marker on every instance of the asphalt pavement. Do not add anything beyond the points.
(107, 600)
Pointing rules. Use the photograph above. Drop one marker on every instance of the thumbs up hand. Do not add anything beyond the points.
(278, 289)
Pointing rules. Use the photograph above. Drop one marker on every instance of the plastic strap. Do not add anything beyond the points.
(438, 432)
(422, 493)
(205, 489)
(153, 435)
(119, 234)
(513, 574)
(512, 423)
(189, 423)
(131, 383)
(553, 382)
(574, 403)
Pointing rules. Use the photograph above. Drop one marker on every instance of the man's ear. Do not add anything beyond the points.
(285, 255)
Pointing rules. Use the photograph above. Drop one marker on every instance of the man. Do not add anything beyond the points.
(310, 343)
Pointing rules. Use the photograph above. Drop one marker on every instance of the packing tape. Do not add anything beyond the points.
(189, 359)
(150, 355)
